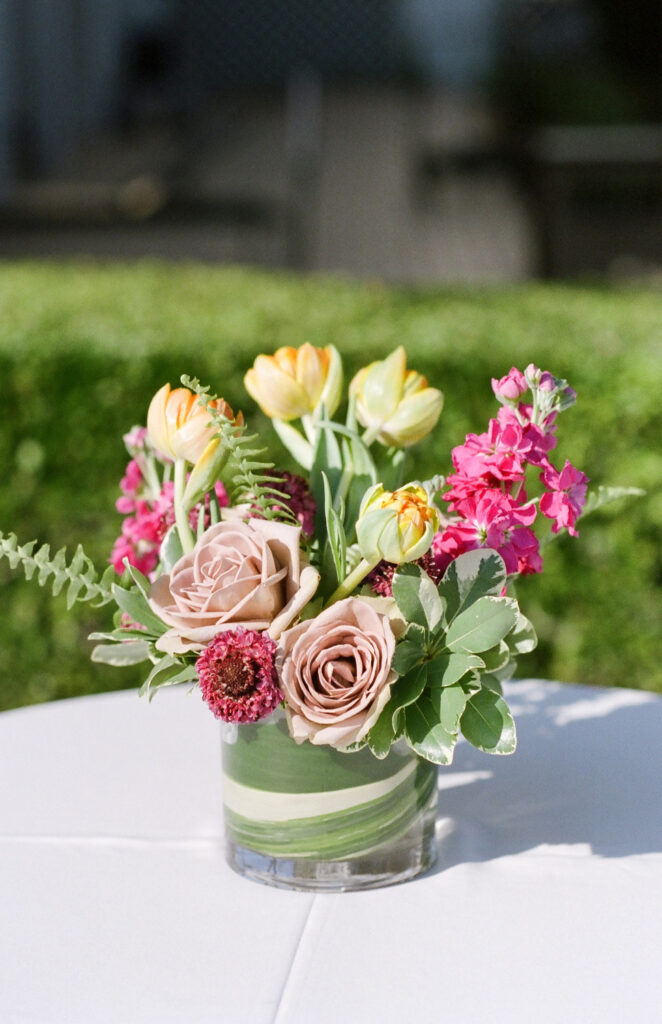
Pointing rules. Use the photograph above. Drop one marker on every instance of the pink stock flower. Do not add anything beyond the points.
(500, 453)
(565, 496)
(536, 441)
(238, 677)
(510, 387)
(492, 520)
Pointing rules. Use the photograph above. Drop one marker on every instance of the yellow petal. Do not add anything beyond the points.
(156, 421)
(277, 394)
(414, 418)
(332, 392)
(311, 372)
(381, 389)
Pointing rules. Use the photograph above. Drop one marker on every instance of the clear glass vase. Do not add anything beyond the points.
(308, 817)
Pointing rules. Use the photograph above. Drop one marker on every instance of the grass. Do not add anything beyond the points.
(83, 347)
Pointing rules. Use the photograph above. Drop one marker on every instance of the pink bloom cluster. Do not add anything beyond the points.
(238, 677)
(147, 519)
(487, 491)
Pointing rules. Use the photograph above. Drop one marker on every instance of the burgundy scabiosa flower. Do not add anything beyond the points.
(238, 675)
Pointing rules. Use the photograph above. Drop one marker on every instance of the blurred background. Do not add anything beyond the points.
(480, 180)
(416, 140)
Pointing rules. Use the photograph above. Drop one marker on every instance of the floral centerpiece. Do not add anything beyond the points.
(347, 625)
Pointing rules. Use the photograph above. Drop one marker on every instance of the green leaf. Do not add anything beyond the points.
(335, 533)
(470, 576)
(295, 443)
(168, 671)
(448, 668)
(407, 655)
(450, 703)
(327, 460)
(425, 733)
(522, 638)
(488, 724)
(364, 473)
(171, 548)
(404, 691)
(482, 625)
(416, 596)
(497, 657)
(598, 497)
(135, 605)
(132, 652)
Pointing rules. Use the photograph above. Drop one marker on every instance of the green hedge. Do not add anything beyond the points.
(83, 347)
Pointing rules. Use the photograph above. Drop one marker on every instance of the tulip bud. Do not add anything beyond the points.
(296, 382)
(395, 406)
(397, 526)
(180, 427)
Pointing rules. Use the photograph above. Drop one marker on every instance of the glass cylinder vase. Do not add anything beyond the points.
(300, 816)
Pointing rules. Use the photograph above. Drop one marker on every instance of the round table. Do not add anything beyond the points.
(117, 905)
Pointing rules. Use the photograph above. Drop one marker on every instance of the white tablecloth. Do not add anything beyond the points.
(116, 904)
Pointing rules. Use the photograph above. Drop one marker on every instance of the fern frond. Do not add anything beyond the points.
(80, 577)
(252, 481)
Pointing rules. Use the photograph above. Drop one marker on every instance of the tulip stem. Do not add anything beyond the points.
(370, 436)
(352, 581)
(181, 517)
(309, 430)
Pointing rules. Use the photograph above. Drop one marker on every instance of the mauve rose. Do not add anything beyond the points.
(243, 573)
(335, 673)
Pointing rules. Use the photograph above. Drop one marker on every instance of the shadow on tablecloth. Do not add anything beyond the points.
(585, 779)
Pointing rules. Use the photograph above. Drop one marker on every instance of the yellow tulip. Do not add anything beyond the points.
(397, 526)
(296, 382)
(179, 427)
(394, 404)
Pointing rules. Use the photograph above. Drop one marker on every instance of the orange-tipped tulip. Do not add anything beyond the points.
(179, 427)
(296, 382)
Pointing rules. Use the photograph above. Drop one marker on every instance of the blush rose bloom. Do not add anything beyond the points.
(335, 673)
(248, 573)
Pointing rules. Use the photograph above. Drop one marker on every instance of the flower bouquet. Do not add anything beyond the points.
(346, 625)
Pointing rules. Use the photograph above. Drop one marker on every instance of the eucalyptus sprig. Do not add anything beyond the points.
(79, 576)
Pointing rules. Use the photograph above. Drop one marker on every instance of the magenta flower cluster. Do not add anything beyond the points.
(147, 514)
(488, 498)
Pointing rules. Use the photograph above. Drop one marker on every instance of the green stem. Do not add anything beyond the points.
(309, 430)
(352, 581)
(370, 435)
(181, 517)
